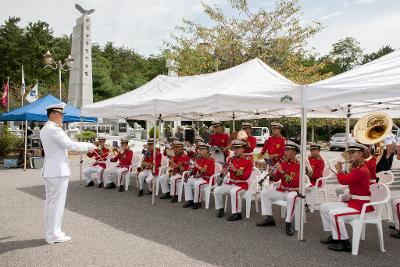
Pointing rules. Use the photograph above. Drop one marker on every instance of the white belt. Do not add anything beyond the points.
(360, 197)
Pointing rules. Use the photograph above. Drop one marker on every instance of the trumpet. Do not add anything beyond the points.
(121, 150)
(332, 163)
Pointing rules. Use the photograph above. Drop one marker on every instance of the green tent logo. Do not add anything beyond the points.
(286, 99)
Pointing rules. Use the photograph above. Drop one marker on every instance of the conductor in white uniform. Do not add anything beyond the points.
(56, 170)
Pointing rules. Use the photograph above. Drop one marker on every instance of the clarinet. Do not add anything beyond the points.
(269, 174)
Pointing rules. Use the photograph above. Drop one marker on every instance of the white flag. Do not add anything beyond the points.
(23, 82)
(33, 94)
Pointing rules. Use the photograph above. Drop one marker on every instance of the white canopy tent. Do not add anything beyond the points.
(253, 89)
(245, 89)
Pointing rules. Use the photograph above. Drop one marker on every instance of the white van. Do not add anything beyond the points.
(260, 133)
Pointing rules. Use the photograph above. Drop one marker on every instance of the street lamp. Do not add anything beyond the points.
(60, 66)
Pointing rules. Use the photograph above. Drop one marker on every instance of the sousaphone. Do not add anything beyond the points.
(372, 129)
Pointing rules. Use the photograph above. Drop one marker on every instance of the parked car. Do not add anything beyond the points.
(337, 141)
(260, 133)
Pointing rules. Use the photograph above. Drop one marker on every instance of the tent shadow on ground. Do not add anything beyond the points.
(202, 236)
(6, 246)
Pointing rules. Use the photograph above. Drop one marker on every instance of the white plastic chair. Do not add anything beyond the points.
(161, 171)
(380, 195)
(136, 159)
(249, 194)
(206, 190)
(387, 178)
(313, 190)
(283, 203)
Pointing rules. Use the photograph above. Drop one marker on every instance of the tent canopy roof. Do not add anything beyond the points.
(36, 111)
(249, 87)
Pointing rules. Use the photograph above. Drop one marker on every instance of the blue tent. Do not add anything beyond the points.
(36, 111)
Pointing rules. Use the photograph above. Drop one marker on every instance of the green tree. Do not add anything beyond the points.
(346, 54)
(384, 50)
(277, 37)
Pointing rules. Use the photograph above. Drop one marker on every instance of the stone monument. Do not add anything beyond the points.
(80, 90)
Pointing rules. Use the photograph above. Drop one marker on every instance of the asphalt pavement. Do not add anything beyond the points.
(109, 228)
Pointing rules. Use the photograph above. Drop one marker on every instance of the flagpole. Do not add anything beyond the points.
(22, 86)
(37, 90)
(8, 94)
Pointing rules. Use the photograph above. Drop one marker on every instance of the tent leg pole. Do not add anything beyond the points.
(153, 196)
(347, 135)
(303, 155)
(26, 143)
(80, 156)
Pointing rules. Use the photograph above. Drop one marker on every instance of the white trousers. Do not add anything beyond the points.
(233, 191)
(270, 195)
(56, 193)
(197, 184)
(115, 175)
(334, 215)
(98, 170)
(396, 211)
(145, 175)
(174, 180)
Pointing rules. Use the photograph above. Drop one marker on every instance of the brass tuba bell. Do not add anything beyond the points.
(372, 129)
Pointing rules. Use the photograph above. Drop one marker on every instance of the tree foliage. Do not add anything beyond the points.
(116, 70)
(277, 37)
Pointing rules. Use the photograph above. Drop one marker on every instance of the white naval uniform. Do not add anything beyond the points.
(197, 184)
(233, 191)
(270, 195)
(146, 175)
(55, 172)
(98, 170)
(396, 211)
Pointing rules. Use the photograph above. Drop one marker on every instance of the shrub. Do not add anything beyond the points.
(86, 136)
(10, 144)
(151, 133)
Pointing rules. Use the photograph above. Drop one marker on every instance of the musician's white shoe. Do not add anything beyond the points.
(61, 239)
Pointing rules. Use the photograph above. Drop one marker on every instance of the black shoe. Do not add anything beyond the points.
(174, 199)
(188, 204)
(150, 192)
(342, 245)
(196, 206)
(140, 193)
(289, 229)
(269, 221)
(235, 217)
(307, 208)
(110, 186)
(165, 196)
(329, 240)
(392, 227)
(100, 185)
(220, 213)
(91, 183)
(121, 188)
(397, 235)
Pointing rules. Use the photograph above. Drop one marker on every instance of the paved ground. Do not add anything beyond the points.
(112, 228)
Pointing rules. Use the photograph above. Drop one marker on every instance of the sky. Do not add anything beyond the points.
(144, 24)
